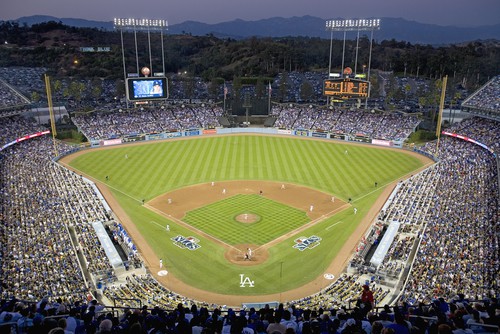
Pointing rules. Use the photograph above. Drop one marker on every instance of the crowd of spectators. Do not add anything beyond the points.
(25, 79)
(460, 244)
(46, 217)
(292, 86)
(295, 82)
(409, 207)
(486, 98)
(9, 97)
(38, 258)
(343, 293)
(145, 290)
(351, 122)
(105, 125)
(140, 290)
(457, 316)
(481, 130)
(451, 210)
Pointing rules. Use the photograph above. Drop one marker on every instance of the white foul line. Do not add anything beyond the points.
(340, 221)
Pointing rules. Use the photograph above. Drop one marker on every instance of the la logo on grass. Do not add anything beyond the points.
(304, 243)
(190, 243)
(246, 280)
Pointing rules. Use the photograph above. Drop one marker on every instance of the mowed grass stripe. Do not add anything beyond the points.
(310, 172)
(220, 157)
(313, 172)
(220, 160)
(154, 158)
(200, 166)
(189, 165)
(303, 170)
(372, 172)
(174, 167)
(328, 178)
(298, 168)
(242, 155)
(255, 158)
(270, 154)
(336, 163)
(195, 164)
(324, 174)
(356, 177)
(233, 159)
(208, 156)
(290, 154)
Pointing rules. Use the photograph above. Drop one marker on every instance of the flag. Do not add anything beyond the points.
(225, 90)
(270, 90)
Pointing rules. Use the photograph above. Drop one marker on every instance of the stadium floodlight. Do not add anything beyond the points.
(140, 24)
(353, 24)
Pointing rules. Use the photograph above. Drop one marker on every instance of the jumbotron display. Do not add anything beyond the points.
(140, 89)
(346, 88)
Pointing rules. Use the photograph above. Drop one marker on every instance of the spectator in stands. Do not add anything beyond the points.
(367, 300)
(400, 326)
(276, 327)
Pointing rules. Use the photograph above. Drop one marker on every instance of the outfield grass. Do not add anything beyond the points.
(153, 169)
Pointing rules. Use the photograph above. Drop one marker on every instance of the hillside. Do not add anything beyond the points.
(304, 26)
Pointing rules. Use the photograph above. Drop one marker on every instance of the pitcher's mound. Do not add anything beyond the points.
(247, 218)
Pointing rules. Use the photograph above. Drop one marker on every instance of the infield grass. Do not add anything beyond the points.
(138, 172)
(219, 219)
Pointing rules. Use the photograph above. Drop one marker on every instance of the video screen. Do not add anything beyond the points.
(147, 88)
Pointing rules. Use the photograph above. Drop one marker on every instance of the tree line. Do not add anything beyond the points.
(57, 47)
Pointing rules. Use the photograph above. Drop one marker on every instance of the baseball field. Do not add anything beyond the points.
(247, 217)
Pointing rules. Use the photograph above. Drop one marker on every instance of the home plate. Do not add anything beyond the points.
(162, 273)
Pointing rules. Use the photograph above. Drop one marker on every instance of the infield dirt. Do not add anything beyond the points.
(192, 197)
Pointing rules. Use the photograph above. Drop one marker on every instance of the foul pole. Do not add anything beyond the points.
(51, 113)
(440, 114)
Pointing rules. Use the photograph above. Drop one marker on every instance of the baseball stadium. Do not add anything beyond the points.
(174, 216)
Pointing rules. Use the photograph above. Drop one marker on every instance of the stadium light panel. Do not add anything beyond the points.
(353, 24)
(140, 24)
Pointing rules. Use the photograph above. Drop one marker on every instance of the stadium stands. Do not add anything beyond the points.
(485, 101)
(352, 122)
(451, 212)
(447, 241)
(115, 124)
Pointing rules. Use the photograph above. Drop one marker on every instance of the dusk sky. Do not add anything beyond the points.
(463, 13)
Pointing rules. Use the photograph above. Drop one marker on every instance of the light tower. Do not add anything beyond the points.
(352, 25)
(141, 25)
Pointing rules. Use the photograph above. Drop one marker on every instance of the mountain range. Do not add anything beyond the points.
(307, 26)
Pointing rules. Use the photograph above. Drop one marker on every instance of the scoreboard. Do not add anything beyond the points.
(149, 88)
(346, 88)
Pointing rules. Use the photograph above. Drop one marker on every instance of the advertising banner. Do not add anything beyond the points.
(192, 132)
(382, 142)
(284, 132)
(303, 133)
(319, 134)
